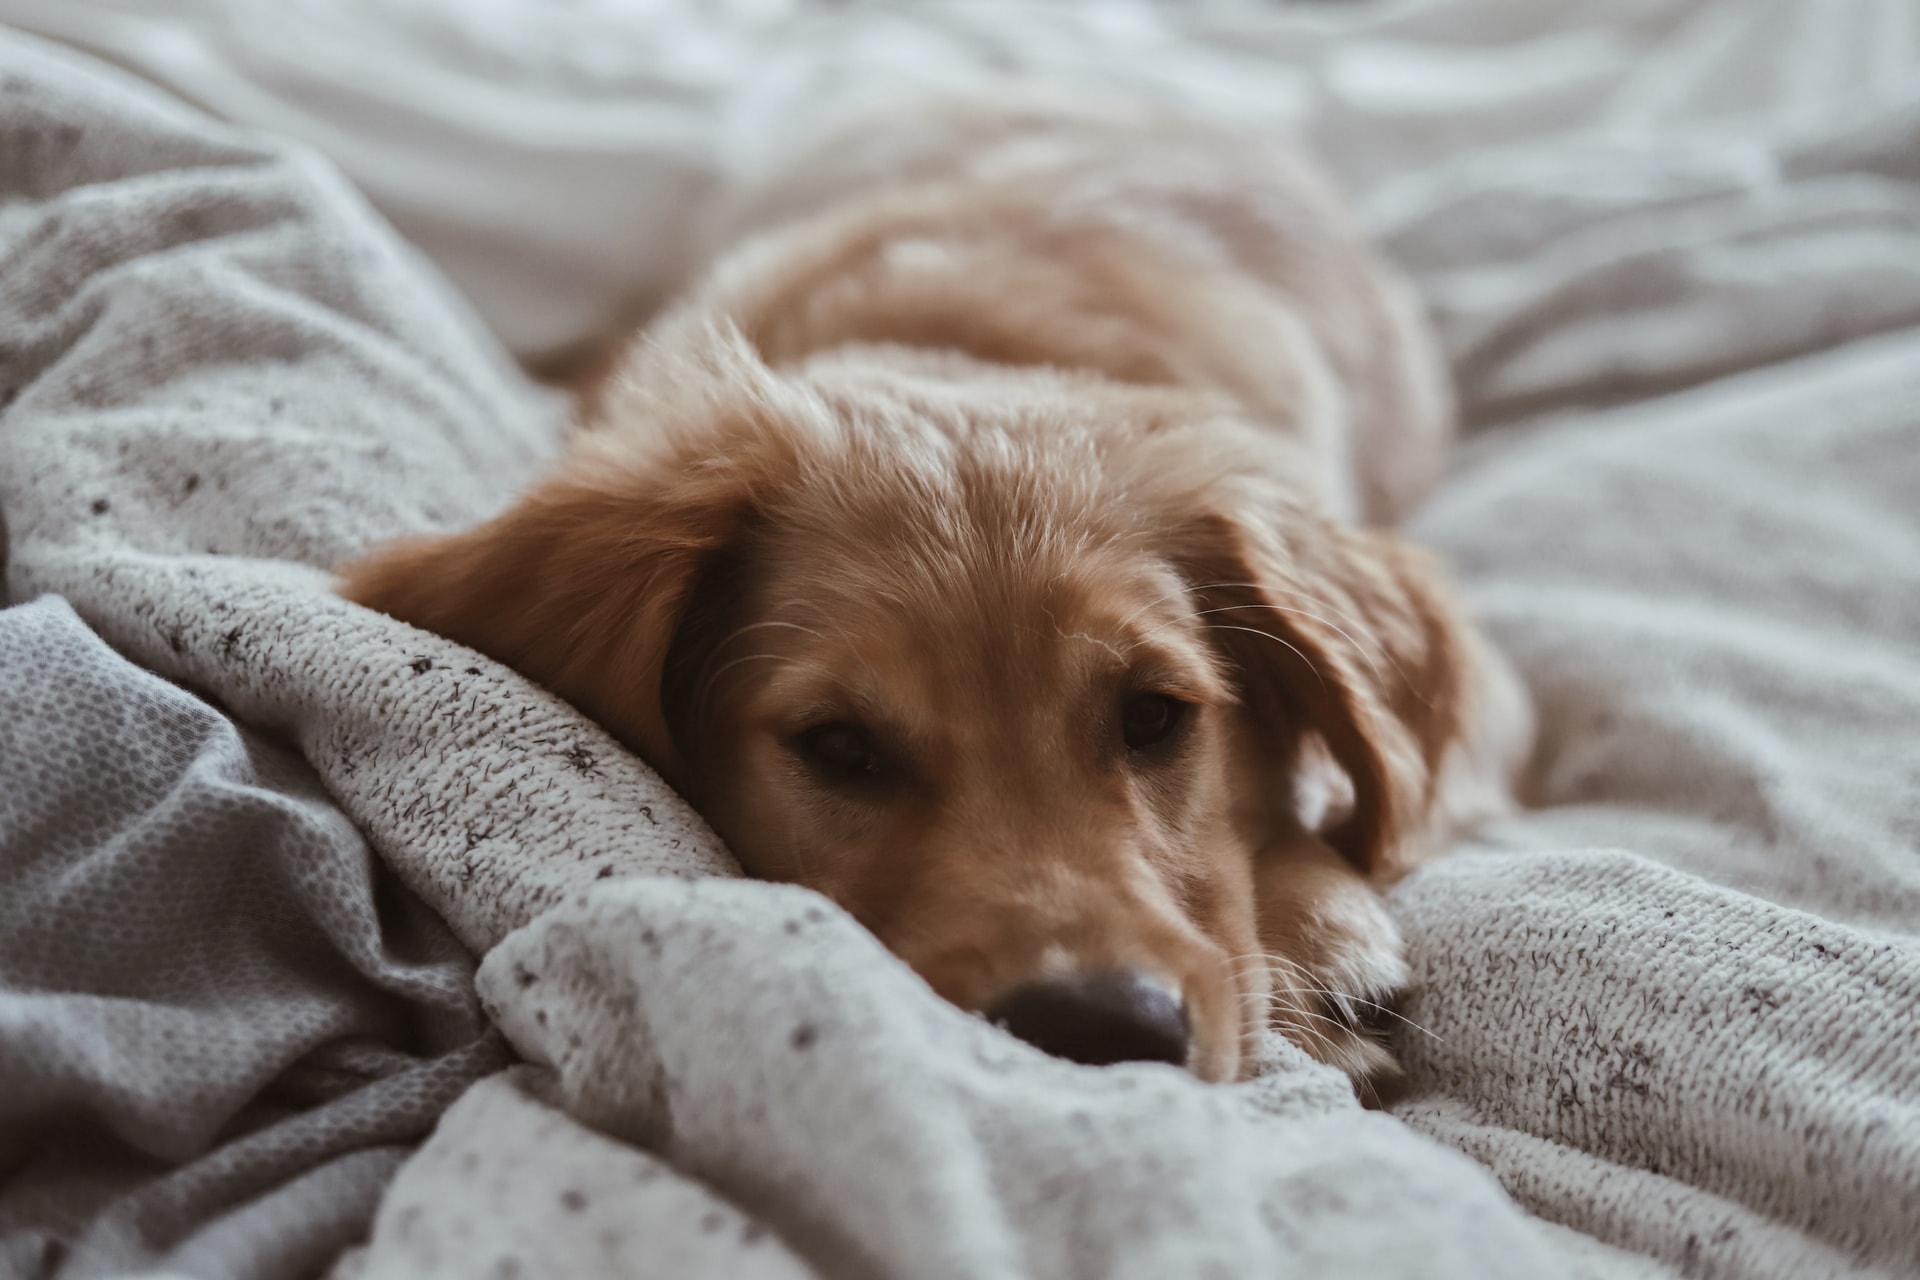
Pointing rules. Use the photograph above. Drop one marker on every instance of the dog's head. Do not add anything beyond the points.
(1018, 668)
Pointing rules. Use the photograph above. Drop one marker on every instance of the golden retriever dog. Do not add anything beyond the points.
(994, 540)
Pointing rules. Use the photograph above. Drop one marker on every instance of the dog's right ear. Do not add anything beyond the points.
(582, 584)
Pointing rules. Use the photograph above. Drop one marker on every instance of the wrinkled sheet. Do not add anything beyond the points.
(1665, 1020)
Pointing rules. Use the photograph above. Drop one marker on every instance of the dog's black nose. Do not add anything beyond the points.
(1121, 1016)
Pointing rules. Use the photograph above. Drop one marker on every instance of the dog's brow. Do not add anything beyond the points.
(1170, 671)
(1180, 589)
(758, 626)
(1062, 632)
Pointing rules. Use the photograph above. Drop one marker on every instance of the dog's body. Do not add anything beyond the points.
(977, 544)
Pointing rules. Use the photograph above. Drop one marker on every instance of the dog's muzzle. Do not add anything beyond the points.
(1117, 1016)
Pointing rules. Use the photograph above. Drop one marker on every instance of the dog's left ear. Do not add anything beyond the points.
(1348, 633)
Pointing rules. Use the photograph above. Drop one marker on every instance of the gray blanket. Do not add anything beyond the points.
(222, 1024)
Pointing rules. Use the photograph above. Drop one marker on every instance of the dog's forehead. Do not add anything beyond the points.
(996, 529)
(964, 543)
(987, 622)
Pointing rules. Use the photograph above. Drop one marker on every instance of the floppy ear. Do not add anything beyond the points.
(580, 585)
(1349, 633)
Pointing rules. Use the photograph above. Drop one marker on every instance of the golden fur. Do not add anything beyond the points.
(1009, 429)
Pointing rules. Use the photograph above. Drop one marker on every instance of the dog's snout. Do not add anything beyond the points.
(1118, 1016)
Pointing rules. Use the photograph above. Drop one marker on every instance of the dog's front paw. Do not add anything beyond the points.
(1334, 967)
(1355, 1032)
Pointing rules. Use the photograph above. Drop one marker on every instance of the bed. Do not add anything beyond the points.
(328, 946)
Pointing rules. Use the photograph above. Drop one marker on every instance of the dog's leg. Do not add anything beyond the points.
(1333, 957)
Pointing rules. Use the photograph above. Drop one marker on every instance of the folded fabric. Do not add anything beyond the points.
(222, 1024)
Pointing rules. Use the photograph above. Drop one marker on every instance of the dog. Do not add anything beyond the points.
(995, 539)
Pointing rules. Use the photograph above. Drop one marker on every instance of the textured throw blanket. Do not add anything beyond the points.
(222, 1026)
(1666, 1021)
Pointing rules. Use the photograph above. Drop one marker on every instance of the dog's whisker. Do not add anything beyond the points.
(707, 683)
(1359, 648)
(1302, 980)
(758, 626)
(1157, 600)
(1255, 631)
(1395, 1014)
(1320, 602)
(1297, 1010)
(859, 651)
(1281, 1012)
(1300, 1032)
(1280, 608)
(1276, 1002)
(711, 680)
(1352, 619)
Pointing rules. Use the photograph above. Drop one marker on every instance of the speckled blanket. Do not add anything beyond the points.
(220, 1029)
(1665, 1019)
(222, 1024)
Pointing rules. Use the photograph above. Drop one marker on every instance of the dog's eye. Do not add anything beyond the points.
(1148, 719)
(839, 751)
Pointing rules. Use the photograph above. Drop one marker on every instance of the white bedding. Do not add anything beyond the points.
(1539, 166)
(1674, 251)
